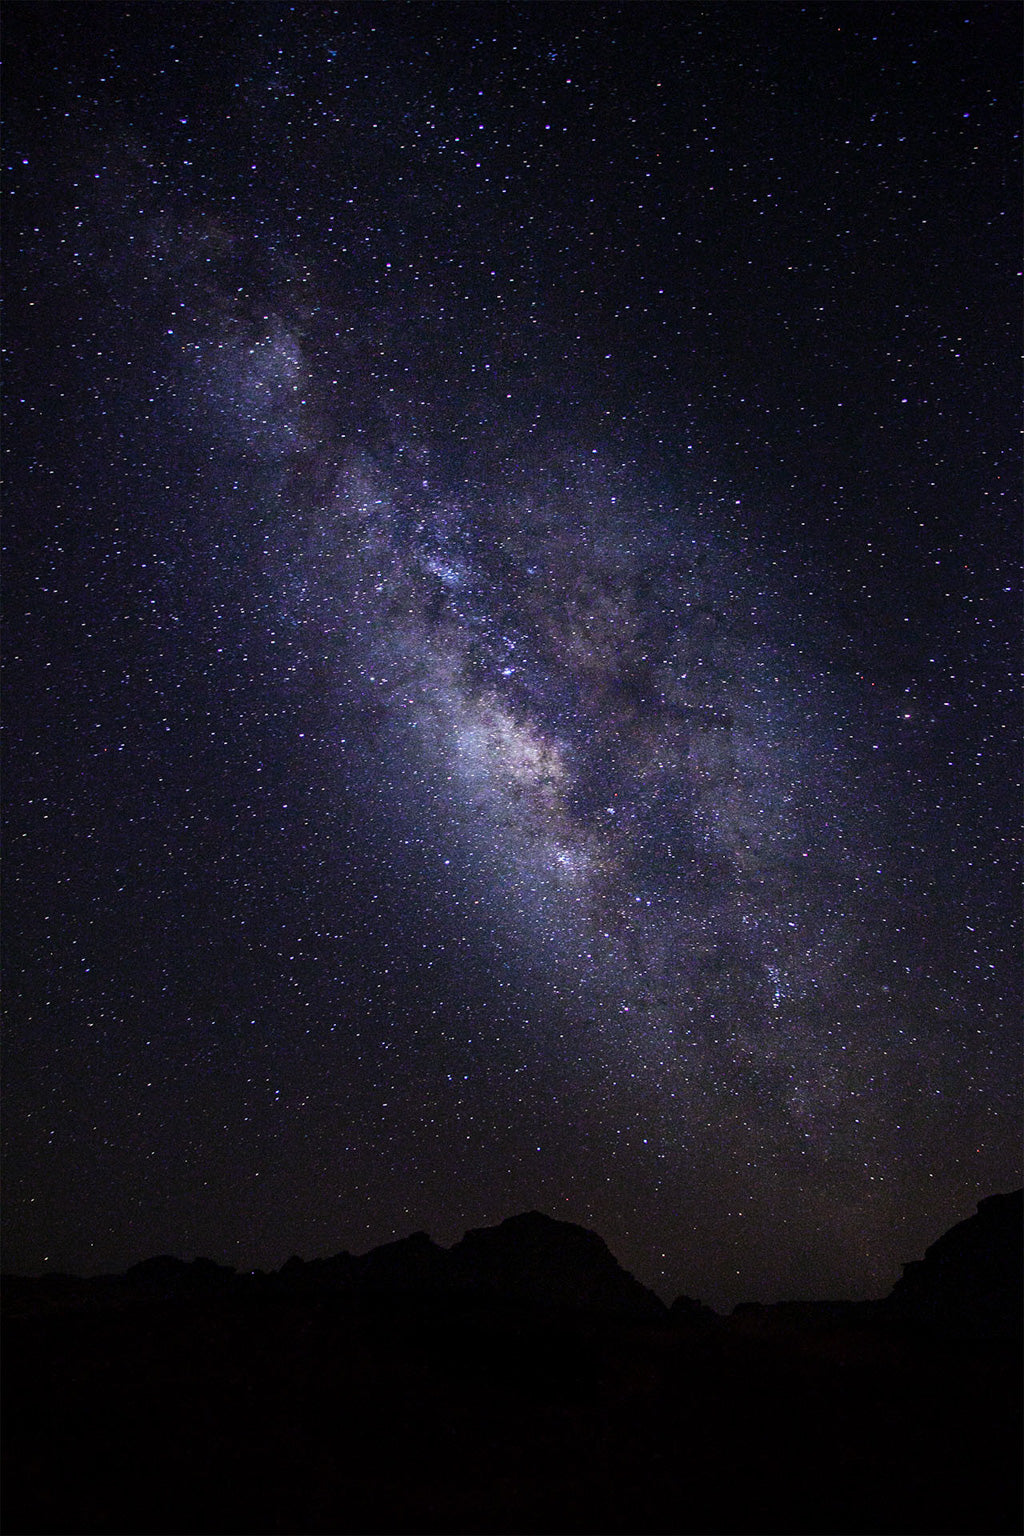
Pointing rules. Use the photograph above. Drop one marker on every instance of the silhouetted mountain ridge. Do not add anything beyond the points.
(520, 1381)
(970, 1280)
(527, 1260)
(968, 1284)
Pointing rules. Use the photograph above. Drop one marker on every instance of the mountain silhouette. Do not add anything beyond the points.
(970, 1281)
(533, 1258)
(528, 1260)
(519, 1381)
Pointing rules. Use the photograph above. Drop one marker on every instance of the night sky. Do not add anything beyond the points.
(511, 615)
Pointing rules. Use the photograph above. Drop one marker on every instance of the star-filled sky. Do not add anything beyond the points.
(511, 611)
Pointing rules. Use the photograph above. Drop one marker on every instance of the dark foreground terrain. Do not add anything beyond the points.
(518, 1382)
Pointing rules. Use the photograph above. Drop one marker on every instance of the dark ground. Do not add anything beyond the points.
(183, 1398)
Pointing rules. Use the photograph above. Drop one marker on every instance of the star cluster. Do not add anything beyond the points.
(510, 606)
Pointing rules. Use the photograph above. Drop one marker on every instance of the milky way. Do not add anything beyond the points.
(510, 577)
(615, 718)
(606, 721)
